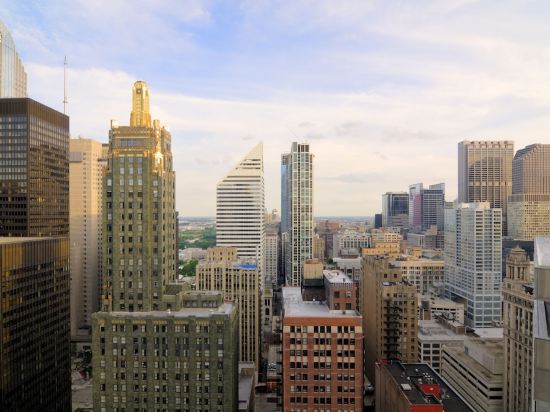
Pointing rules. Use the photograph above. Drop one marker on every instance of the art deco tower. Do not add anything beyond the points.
(141, 340)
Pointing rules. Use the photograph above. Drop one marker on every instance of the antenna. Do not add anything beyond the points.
(65, 86)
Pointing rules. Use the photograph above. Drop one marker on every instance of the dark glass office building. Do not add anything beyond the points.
(35, 373)
(34, 169)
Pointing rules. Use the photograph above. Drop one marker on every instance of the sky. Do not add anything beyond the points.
(382, 90)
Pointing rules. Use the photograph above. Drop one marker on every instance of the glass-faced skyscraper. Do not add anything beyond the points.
(13, 79)
(141, 339)
(34, 169)
(297, 166)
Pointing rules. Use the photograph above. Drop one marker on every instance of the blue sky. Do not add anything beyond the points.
(382, 90)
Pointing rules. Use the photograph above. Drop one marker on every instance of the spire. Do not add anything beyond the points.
(140, 117)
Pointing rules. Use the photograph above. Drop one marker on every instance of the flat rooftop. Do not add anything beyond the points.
(433, 330)
(224, 309)
(489, 333)
(409, 377)
(294, 305)
(336, 276)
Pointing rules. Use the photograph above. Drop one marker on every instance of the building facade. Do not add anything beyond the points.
(34, 169)
(154, 345)
(426, 206)
(322, 356)
(87, 166)
(395, 210)
(271, 253)
(298, 169)
(541, 325)
(473, 261)
(13, 78)
(517, 296)
(529, 204)
(485, 173)
(389, 308)
(34, 324)
(433, 335)
(476, 372)
(422, 273)
(240, 205)
(238, 279)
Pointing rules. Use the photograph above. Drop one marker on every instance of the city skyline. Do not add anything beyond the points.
(392, 81)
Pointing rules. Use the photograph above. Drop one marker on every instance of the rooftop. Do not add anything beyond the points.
(294, 305)
(424, 386)
(336, 276)
(224, 309)
(433, 330)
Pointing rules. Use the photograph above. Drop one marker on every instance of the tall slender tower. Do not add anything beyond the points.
(155, 345)
(240, 205)
(485, 173)
(13, 78)
(299, 187)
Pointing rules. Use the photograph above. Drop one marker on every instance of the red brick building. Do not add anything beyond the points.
(322, 356)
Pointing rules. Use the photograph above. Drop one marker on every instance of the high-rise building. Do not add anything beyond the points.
(297, 166)
(378, 220)
(240, 208)
(395, 210)
(426, 206)
(87, 166)
(34, 169)
(517, 296)
(350, 239)
(411, 387)
(420, 272)
(238, 279)
(433, 335)
(473, 261)
(529, 204)
(541, 325)
(34, 324)
(485, 173)
(389, 307)
(271, 252)
(13, 78)
(154, 345)
(326, 230)
(322, 355)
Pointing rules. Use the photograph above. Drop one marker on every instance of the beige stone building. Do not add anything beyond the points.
(422, 273)
(318, 247)
(239, 281)
(476, 372)
(88, 160)
(388, 305)
(485, 173)
(529, 204)
(517, 296)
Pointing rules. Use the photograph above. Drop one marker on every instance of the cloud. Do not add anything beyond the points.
(383, 91)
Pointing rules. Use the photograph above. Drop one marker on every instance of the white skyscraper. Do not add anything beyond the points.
(13, 79)
(297, 199)
(240, 208)
(473, 261)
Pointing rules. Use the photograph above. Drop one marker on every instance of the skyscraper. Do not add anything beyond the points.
(34, 169)
(297, 166)
(13, 78)
(485, 173)
(146, 316)
(87, 166)
(240, 205)
(473, 261)
(34, 324)
(426, 206)
(517, 296)
(529, 204)
(395, 210)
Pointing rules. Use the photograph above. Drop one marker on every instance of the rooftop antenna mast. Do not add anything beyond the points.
(65, 86)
